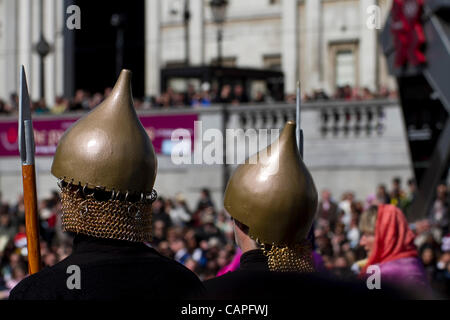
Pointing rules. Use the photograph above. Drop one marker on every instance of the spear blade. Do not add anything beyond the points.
(26, 134)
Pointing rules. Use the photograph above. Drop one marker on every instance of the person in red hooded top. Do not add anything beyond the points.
(389, 243)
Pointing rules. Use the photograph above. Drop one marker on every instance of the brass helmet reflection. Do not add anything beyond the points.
(273, 193)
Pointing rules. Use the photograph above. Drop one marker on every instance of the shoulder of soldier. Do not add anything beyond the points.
(176, 276)
(235, 285)
(34, 287)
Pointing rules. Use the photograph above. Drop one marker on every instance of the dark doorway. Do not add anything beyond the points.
(95, 44)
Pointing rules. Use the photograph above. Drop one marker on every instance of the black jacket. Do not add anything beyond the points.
(111, 269)
(253, 280)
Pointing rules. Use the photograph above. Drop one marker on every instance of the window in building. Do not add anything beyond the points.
(272, 62)
(175, 64)
(345, 68)
(226, 62)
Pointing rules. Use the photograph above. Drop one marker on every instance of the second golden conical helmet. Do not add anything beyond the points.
(273, 193)
(108, 148)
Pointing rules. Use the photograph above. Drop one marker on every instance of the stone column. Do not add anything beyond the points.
(34, 77)
(9, 79)
(25, 45)
(289, 55)
(49, 67)
(196, 35)
(367, 48)
(60, 24)
(312, 44)
(152, 47)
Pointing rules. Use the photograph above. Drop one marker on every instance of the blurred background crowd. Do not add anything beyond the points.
(203, 97)
(201, 237)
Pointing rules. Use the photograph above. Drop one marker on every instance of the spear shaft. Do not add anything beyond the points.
(26, 147)
(298, 129)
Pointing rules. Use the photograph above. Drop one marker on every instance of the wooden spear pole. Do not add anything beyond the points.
(26, 147)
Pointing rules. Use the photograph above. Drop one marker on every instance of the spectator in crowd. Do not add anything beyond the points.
(39, 107)
(203, 98)
(319, 94)
(225, 94)
(366, 94)
(3, 107)
(345, 206)
(442, 276)
(61, 105)
(205, 200)
(328, 210)
(160, 212)
(439, 215)
(428, 258)
(398, 196)
(14, 101)
(382, 196)
(389, 243)
(259, 97)
(189, 96)
(178, 211)
(353, 235)
(410, 196)
(80, 101)
(239, 95)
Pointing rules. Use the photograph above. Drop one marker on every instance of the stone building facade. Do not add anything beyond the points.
(322, 43)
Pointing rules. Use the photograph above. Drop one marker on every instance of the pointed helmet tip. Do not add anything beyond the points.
(123, 83)
(124, 76)
(128, 71)
(288, 130)
(290, 122)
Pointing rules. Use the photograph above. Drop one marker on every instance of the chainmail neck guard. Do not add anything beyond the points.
(295, 258)
(106, 215)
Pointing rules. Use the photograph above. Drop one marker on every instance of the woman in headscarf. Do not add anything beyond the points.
(389, 243)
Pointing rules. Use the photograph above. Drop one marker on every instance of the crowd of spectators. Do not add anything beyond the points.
(337, 234)
(349, 93)
(201, 238)
(203, 97)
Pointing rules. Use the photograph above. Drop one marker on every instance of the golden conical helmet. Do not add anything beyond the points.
(273, 193)
(108, 148)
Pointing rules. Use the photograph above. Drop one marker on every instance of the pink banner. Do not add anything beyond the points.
(47, 132)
